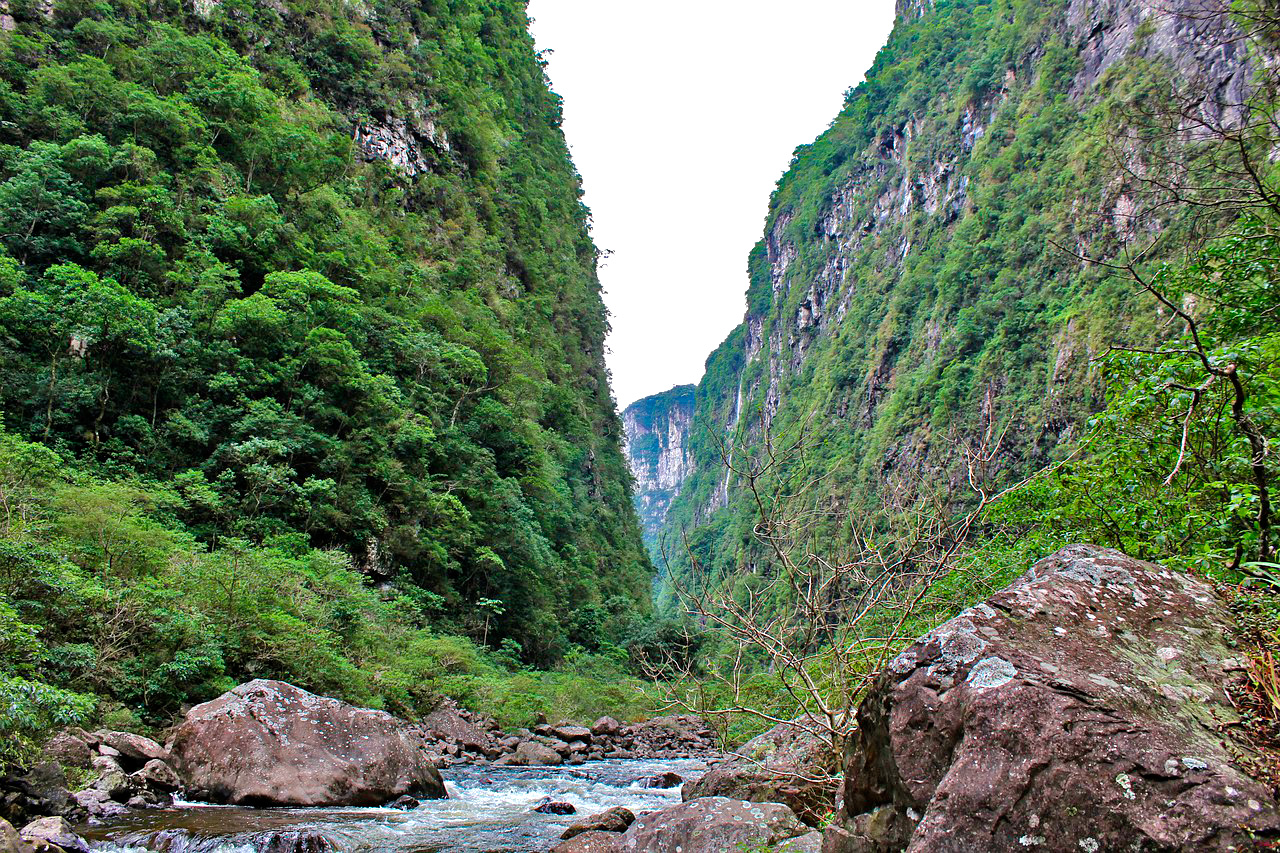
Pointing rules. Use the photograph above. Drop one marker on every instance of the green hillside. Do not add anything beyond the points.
(296, 299)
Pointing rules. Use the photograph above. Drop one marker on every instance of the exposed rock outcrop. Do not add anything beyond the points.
(657, 433)
(787, 764)
(270, 743)
(1082, 708)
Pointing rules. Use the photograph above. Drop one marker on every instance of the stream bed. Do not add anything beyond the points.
(489, 810)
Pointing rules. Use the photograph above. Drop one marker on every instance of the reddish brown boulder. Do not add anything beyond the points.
(70, 749)
(595, 841)
(133, 748)
(270, 743)
(606, 727)
(616, 819)
(788, 764)
(712, 825)
(1082, 708)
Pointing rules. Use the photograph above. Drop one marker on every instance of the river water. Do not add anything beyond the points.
(489, 810)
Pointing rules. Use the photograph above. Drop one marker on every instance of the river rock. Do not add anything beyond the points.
(550, 807)
(533, 754)
(10, 842)
(70, 749)
(131, 747)
(39, 792)
(447, 722)
(787, 764)
(98, 803)
(156, 775)
(616, 819)
(1082, 708)
(595, 841)
(606, 727)
(668, 737)
(712, 825)
(54, 831)
(269, 743)
(567, 732)
(808, 843)
(297, 841)
(668, 779)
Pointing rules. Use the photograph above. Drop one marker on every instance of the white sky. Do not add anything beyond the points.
(682, 115)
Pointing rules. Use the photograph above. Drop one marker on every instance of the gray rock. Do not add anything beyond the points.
(158, 776)
(571, 733)
(116, 785)
(535, 754)
(809, 843)
(53, 830)
(10, 842)
(70, 750)
(131, 746)
(447, 722)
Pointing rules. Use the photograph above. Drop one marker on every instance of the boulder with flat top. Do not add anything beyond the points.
(268, 743)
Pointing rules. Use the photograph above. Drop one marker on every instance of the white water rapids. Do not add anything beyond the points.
(489, 810)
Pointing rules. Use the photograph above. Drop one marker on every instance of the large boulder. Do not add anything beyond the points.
(606, 727)
(131, 747)
(70, 749)
(1082, 708)
(55, 832)
(268, 743)
(570, 732)
(530, 754)
(711, 825)
(595, 841)
(788, 764)
(447, 723)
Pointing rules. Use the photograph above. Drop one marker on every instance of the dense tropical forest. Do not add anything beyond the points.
(301, 361)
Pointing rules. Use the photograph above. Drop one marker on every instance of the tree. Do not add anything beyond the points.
(798, 629)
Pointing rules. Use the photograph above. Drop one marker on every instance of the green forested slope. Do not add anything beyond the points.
(921, 282)
(249, 343)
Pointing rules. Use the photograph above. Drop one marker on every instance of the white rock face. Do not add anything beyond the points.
(400, 143)
(657, 444)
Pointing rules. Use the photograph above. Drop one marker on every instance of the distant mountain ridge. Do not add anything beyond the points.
(657, 430)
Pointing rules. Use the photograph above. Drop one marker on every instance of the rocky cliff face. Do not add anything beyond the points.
(912, 292)
(657, 445)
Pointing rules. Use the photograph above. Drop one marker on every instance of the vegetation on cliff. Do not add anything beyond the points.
(1013, 255)
(294, 297)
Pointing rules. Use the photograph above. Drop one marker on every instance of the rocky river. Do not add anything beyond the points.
(489, 810)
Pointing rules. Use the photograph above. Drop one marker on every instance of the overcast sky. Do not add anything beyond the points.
(682, 115)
